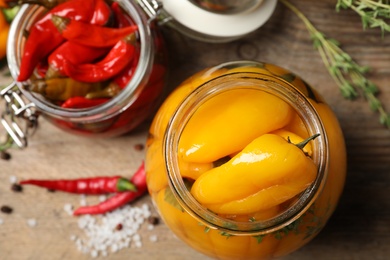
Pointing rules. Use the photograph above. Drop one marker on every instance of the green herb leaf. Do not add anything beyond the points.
(372, 13)
(170, 198)
(348, 75)
(227, 235)
(206, 229)
(259, 238)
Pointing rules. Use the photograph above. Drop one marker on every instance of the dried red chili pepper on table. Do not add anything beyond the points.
(88, 186)
(119, 199)
(44, 37)
(115, 61)
(90, 34)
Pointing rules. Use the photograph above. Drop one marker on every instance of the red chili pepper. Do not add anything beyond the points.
(121, 19)
(82, 102)
(44, 37)
(74, 53)
(119, 199)
(124, 76)
(102, 13)
(46, 3)
(153, 89)
(115, 61)
(7, 3)
(89, 34)
(42, 68)
(88, 186)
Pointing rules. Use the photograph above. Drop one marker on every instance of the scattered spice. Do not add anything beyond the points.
(139, 147)
(69, 209)
(5, 155)
(31, 222)
(6, 209)
(102, 236)
(153, 238)
(16, 187)
(119, 227)
(13, 179)
(153, 220)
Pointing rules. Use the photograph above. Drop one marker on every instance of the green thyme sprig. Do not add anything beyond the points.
(373, 13)
(348, 75)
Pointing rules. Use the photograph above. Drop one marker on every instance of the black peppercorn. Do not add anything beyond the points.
(139, 147)
(4, 155)
(119, 227)
(6, 209)
(16, 187)
(153, 220)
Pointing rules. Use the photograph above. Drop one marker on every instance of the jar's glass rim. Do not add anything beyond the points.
(116, 104)
(273, 85)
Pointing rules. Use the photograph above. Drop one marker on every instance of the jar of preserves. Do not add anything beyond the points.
(83, 99)
(245, 161)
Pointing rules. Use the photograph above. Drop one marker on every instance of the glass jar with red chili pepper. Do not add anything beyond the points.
(245, 161)
(97, 67)
(91, 67)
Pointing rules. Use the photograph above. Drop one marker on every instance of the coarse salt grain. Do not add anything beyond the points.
(68, 208)
(13, 179)
(102, 198)
(102, 235)
(94, 253)
(83, 201)
(153, 238)
(150, 227)
(138, 244)
(31, 222)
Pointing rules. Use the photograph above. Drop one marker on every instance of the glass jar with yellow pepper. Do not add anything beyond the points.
(245, 161)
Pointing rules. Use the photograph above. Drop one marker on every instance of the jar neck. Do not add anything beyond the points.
(26, 18)
(254, 81)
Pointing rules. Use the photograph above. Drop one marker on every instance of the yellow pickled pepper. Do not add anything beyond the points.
(208, 136)
(267, 172)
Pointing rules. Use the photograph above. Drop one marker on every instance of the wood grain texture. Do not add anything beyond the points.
(360, 227)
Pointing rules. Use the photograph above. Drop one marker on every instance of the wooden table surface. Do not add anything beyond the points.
(360, 227)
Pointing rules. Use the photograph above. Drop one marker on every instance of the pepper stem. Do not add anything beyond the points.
(125, 185)
(302, 144)
(60, 22)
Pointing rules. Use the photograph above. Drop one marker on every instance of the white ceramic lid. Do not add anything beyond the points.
(218, 25)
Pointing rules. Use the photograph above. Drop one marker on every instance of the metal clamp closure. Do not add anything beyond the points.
(18, 118)
(154, 9)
